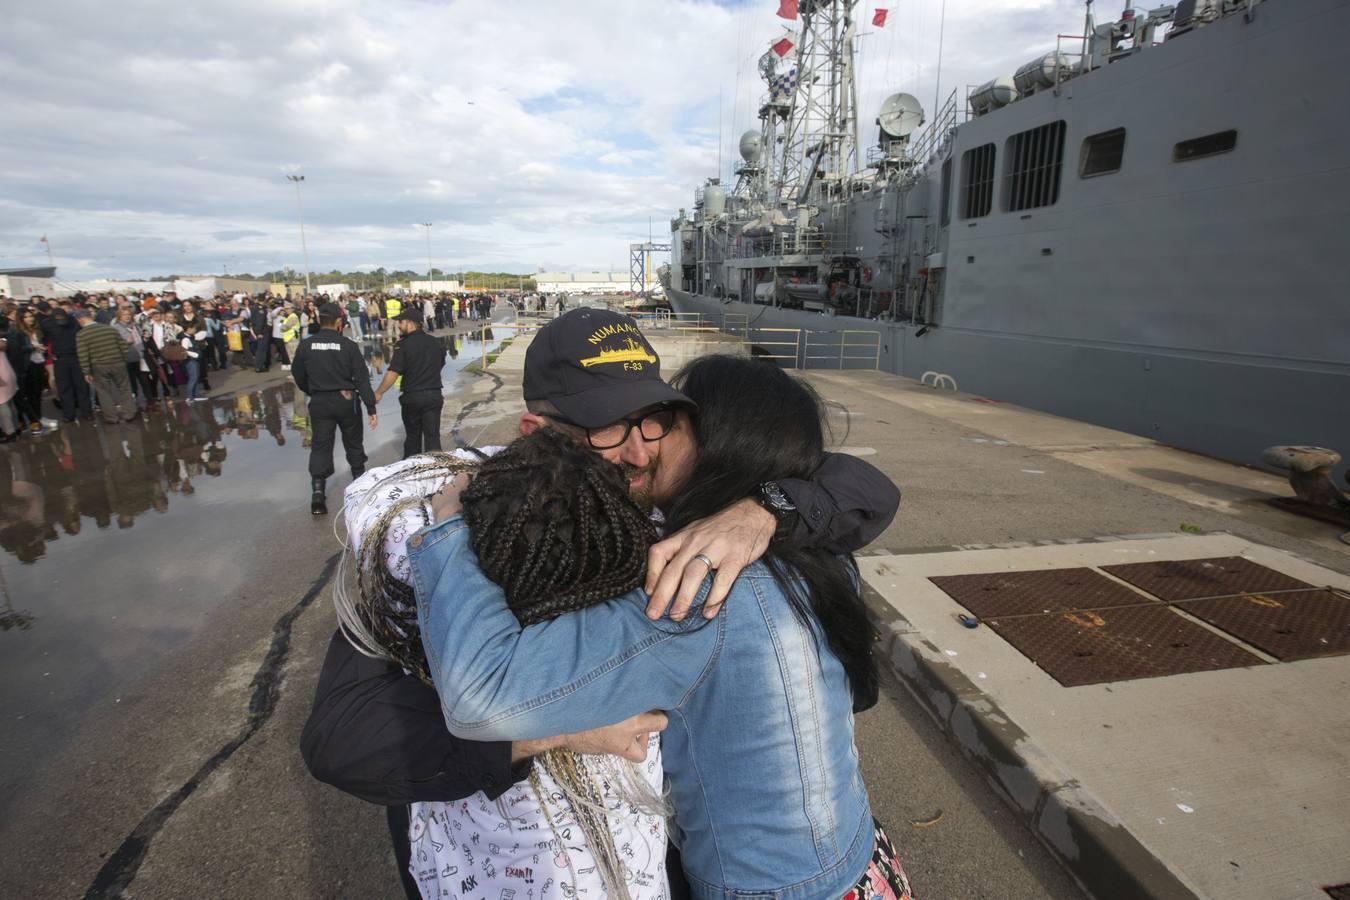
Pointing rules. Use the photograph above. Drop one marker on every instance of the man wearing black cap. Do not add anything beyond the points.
(329, 368)
(418, 358)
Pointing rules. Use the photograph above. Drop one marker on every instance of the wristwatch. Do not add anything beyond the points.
(772, 497)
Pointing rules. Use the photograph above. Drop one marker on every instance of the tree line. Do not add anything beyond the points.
(380, 278)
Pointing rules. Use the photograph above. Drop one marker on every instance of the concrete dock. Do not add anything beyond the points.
(1231, 783)
(153, 702)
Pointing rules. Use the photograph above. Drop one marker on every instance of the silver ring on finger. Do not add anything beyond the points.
(707, 562)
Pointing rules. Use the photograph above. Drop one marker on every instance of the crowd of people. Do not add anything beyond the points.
(66, 360)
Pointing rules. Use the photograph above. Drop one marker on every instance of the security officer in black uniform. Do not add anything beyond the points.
(418, 358)
(329, 368)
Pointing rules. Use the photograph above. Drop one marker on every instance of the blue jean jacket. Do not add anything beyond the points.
(764, 774)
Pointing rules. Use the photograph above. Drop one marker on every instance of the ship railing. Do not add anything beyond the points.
(685, 343)
(665, 318)
(736, 323)
(850, 349)
(1063, 73)
(785, 245)
(951, 115)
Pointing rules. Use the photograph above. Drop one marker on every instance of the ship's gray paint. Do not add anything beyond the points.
(1203, 303)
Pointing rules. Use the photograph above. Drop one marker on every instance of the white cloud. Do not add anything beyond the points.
(148, 137)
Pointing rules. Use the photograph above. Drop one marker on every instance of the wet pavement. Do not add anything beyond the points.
(153, 704)
(118, 542)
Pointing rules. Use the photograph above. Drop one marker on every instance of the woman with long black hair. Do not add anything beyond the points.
(759, 752)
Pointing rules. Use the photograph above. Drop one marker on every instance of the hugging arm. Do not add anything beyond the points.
(378, 734)
(845, 505)
(581, 670)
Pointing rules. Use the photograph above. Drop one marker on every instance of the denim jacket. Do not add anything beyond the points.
(760, 755)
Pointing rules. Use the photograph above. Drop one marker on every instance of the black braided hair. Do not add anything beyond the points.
(553, 523)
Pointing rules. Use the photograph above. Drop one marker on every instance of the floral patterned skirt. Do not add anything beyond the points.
(885, 878)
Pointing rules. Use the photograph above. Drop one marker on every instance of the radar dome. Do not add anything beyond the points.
(900, 115)
(750, 147)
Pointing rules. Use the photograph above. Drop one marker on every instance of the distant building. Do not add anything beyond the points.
(24, 284)
(582, 282)
(185, 287)
(434, 287)
(284, 291)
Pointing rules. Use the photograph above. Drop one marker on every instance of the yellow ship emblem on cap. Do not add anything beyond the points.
(631, 351)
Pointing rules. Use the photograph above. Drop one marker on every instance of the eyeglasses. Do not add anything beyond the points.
(652, 425)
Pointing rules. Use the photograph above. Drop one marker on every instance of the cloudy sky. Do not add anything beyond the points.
(150, 137)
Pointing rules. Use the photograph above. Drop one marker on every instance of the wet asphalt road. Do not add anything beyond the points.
(166, 613)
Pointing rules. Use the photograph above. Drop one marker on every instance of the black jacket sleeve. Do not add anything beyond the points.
(300, 367)
(845, 505)
(378, 734)
(361, 378)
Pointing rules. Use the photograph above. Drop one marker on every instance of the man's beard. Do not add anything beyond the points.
(641, 496)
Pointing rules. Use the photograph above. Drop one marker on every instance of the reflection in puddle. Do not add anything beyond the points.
(118, 543)
(52, 486)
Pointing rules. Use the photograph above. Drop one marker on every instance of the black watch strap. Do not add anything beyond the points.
(772, 497)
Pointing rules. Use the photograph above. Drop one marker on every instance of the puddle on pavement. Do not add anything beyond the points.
(118, 542)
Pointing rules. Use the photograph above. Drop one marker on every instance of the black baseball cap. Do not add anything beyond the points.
(330, 311)
(410, 314)
(596, 367)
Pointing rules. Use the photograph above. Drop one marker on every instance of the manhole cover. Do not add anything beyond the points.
(1041, 591)
(1190, 579)
(1097, 645)
(1292, 625)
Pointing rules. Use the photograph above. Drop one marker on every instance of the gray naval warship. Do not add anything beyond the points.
(1147, 227)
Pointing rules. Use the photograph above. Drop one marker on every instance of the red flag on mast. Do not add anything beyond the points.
(782, 47)
(879, 19)
(787, 9)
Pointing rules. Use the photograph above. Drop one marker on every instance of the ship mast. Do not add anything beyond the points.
(819, 140)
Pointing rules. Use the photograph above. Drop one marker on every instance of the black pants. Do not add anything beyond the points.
(280, 347)
(72, 387)
(330, 412)
(262, 355)
(142, 383)
(421, 420)
(32, 382)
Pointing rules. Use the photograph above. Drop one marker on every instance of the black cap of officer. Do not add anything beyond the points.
(596, 367)
(409, 315)
(330, 311)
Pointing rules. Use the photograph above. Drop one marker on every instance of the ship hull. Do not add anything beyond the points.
(1230, 408)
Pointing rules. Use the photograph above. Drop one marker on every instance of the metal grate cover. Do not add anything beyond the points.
(1191, 579)
(1288, 626)
(1094, 646)
(1040, 591)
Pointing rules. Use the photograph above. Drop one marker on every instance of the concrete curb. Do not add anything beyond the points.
(1106, 860)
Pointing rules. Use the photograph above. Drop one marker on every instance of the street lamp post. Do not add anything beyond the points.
(297, 179)
(430, 283)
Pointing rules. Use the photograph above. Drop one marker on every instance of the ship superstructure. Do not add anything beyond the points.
(1143, 227)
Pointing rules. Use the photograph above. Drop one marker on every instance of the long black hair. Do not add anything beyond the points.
(755, 423)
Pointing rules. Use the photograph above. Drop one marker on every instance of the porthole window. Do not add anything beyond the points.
(1102, 153)
(1209, 145)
